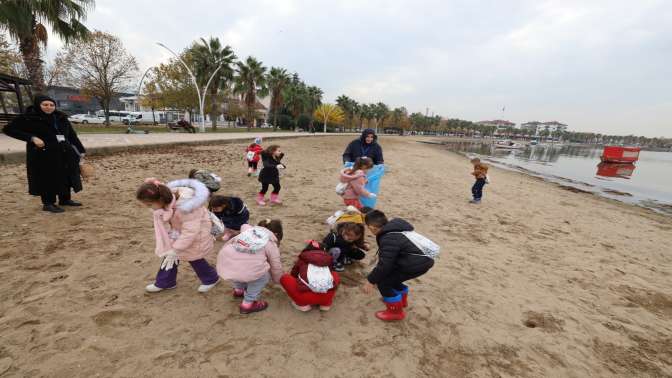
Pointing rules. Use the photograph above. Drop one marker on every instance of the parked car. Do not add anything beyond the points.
(86, 118)
(115, 115)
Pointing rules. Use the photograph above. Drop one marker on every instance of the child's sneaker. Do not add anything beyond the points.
(305, 308)
(475, 201)
(256, 306)
(206, 288)
(152, 288)
(347, 261)
(325, 308)
(338, 266)
(238, 293)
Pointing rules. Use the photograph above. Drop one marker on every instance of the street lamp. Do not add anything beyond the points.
(201, 99)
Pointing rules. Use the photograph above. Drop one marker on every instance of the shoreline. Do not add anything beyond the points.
(570, 184)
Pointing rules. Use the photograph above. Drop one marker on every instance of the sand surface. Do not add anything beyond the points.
(537, 281)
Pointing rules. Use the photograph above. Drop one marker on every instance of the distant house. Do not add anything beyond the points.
(498, 123)
(535, 127)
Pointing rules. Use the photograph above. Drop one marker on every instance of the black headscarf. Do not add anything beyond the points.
(37, 100)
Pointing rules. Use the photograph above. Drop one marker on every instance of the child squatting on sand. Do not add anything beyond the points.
(399, 260)
(250, 260)
(311, 281)
(232, 212)
(182, 229)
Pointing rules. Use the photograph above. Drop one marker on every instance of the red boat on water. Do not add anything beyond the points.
(618, 154)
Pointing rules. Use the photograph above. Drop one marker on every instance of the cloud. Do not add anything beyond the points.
(597, 65)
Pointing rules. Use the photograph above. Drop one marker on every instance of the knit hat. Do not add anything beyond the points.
(258, 140)
(40, 98)
(351, 218)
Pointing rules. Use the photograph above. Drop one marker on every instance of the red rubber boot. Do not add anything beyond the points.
(394, 312)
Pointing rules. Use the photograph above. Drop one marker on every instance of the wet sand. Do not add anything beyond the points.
(536, 281)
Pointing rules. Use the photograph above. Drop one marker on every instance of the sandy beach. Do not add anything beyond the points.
(537, 281)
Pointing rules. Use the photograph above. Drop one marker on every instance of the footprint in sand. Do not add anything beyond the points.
(120, 318)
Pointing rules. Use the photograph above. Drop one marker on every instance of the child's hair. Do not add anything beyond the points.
(365, 210)
(362, 163)
(275, 226)
(218, 201)
(151, 192)
(375, 218)
(270, 150)
(192, 173)
(314, 245)
(356, 228)
(475, 160)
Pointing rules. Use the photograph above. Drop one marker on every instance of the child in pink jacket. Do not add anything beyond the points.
(250, 260)
(182, 229)
(355, 177)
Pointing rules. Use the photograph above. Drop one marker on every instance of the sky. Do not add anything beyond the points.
(599, 66)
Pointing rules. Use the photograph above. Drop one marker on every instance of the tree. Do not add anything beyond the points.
(349, 107)
(174, 88)
(329, 114)
(314, 98)
(210, 57)
(250, 83)
(27, 22)
(101, 67)
(381, 112)
(277, 80)
(11, 61)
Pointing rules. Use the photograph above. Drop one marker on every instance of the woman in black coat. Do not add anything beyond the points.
(367, 145)
(53, 152)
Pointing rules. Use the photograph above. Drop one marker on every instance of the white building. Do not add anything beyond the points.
(535, 127)
(500, 124)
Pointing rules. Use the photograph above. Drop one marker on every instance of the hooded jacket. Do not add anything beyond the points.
(54, 168)
(356, 182)
(358, 148)
(397, 254)
(235, 214)
(246, 265)
(300, 269)
(188, 218)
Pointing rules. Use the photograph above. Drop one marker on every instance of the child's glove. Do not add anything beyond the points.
(169, 260)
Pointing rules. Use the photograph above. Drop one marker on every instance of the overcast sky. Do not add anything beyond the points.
(603, 66)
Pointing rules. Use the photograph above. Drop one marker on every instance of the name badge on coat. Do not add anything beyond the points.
(60, 138)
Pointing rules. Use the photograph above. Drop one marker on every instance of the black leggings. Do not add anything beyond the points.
(276, 187)
(252, 164)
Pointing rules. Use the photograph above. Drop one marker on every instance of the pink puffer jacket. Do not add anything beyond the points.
(188, 219)
(356, 182)
(244, 265)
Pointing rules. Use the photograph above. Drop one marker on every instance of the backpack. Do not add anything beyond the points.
(209, 179)
(341, 187)
(250, 155)
(251, 241)
(426, 246)
(320, 279)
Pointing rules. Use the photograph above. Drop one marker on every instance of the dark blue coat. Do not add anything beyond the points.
(358, 148)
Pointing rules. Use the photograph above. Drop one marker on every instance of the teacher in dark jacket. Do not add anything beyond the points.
(53, 152)
(367, 145)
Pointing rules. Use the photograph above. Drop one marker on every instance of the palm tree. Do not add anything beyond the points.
(349, 107)
(208, 56)
(27, 21)
(277, 80)
(381, 112)
(250, 83)
(295, 96)
(314, 98)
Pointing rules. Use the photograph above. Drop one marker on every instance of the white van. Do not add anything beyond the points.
(115, 115)
(143, 118)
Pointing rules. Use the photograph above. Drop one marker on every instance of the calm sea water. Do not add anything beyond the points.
(648, 182)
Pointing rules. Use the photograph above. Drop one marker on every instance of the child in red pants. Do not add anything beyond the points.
(311, 281)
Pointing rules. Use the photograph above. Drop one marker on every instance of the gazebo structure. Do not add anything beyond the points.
(15, 93)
